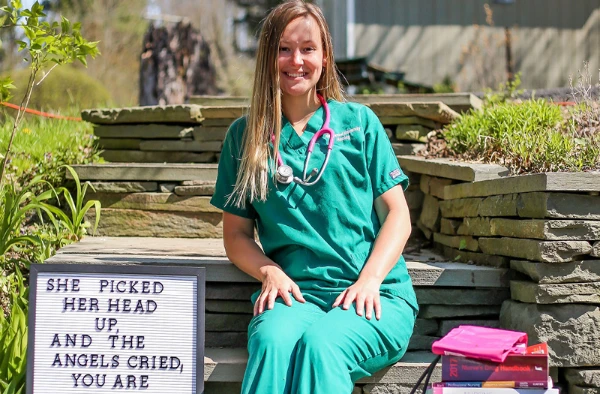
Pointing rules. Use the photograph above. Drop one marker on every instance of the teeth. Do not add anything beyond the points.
(296, 75)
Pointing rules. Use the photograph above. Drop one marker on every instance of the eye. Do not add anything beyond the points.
(284, 49)
(310, 49)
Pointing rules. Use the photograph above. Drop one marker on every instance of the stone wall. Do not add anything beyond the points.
(546, 228)
(195, 133)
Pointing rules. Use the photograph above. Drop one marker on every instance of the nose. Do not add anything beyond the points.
(297, 57)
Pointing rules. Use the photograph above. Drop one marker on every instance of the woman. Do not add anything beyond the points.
(336, 302)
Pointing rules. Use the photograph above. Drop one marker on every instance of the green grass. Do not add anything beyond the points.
(42, 145)
(532, 136)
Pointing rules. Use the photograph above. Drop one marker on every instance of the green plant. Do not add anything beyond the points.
(13, 336)
(46, 43)
(14, 208)
(42, 146)
(76, 223)
(506, 91)
(531, 136)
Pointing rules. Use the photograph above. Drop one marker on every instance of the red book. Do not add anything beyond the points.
(529, 367)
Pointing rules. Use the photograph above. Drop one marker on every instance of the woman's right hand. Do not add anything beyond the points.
(275, 283)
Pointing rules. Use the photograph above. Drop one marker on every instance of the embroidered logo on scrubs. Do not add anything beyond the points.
(396, 173)
(345, 135)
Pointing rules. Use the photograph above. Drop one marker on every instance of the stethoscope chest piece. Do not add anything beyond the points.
(284, 174)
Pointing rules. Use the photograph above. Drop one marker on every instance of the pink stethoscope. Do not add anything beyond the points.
(284, 173)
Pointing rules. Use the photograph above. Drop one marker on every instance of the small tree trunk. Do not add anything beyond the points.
(175, 64)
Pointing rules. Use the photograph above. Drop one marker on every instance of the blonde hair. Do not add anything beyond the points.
(264, 118)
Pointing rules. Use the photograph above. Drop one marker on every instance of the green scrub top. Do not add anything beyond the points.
(322, 235)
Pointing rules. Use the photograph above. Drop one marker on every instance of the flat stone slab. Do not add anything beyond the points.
(559, 206)
(566, 230)
(228, 365)
(201, 188)
(408, 120)
(139, 156)
(447, 168)
(210, 100)
(529, 249)
(154, 202)
(436, 111)
(224, 111)
(119, 143)
(580, 271)
(459, 102)
(181, 146)
(555, 293)
(144, 131)
(585, 377)
(147, 246)
(453, 296)
(407, 148)
(595, 249)
(574, 389)
(465, 256)
(124, 187)
(145, 172)
(434, 185)
(430, 213)
(572, 331)
(425, 268)
(151, 114)
(447, 325)
(168, 224)
(218, 122)
(425, 327)
(461, 208)
(551, 181)
(460, 242)
(412, 133)
(454, 311)
(228, 306)
(207, 133)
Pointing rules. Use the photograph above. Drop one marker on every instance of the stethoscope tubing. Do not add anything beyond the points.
(325, 129)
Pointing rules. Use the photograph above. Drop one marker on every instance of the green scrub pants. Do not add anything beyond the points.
(312, 349)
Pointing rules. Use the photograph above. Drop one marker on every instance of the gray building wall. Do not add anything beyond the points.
(433, 39)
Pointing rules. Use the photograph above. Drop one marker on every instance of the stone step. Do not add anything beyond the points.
(460, 102)
(447, 168)
(145, 172)
(228, 365)
(426, 268)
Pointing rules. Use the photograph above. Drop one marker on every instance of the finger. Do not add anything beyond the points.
(377, 305)
(286, 297)
(369, 307)
(339, 299)
(349, 299)
(263, 302)
(360, 304)
(258, 308)
(272, 296)
(297, 293)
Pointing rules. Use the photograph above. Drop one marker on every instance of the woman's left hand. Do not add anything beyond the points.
(365, 292)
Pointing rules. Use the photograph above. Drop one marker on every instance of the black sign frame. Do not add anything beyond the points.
(159, 271)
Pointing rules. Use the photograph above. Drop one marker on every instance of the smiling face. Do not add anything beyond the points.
(301, 58)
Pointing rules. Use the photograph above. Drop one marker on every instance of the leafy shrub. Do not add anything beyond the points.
(532, 136)
(13, 336)
(64, 88)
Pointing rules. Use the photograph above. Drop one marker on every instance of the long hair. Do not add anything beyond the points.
(264, 118)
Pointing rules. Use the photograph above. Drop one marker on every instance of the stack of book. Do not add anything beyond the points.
(519, 374)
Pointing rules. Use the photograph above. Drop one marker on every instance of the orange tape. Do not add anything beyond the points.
(39, 113)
